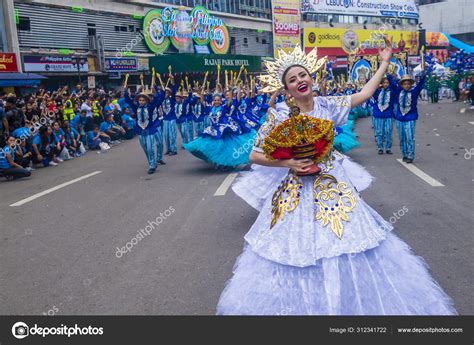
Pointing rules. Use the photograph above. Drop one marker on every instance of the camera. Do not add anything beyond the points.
(21, 331)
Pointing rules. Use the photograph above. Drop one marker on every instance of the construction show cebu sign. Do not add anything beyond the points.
(162, 27)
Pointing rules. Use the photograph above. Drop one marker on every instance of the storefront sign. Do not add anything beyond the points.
(204, 62)
(37, 63)
(340, 41)
(384, 8)
(162, 27)
(286, 24)
(91, 82)
(121, 64)
(8, 62)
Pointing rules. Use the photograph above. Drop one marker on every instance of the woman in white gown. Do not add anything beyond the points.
(326, 256)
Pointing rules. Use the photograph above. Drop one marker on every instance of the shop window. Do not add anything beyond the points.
(91, 30)
(24, 24)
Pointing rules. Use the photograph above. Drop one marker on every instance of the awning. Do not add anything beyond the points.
(459, 44)
(20, 79)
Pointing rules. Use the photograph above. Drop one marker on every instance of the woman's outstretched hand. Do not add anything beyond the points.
(385, 54)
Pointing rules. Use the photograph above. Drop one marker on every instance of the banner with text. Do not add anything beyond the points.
(339, 41)
(37, 63)
(8, 62)
(204, 62)
(286, 24)
(384, 8)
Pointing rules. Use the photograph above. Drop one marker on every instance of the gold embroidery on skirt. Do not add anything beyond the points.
(341, 201)
(286, 198)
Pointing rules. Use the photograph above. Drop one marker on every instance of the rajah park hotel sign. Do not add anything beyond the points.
(162, 27)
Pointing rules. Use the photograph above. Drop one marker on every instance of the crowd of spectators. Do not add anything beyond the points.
(46, 128)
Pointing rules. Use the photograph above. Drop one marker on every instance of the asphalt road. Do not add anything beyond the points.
(58, 253)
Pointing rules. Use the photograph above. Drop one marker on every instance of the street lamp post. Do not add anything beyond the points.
(78, 62)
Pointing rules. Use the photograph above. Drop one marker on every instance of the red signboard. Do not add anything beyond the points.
(8, 62)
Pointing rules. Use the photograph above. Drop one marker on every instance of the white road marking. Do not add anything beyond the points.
(225, 184)
(40, 194)
(425, 177)
(471, 122)
(462, 110)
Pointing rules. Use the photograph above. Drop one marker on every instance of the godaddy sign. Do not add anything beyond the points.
(162, 27)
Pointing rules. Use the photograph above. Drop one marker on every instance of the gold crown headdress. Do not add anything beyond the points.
(297, 57)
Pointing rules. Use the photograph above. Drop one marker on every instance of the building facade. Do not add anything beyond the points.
(454, 17)
(54, 34)
(9, 48)
(343, 28)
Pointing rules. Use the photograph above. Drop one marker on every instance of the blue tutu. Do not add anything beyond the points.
(230, 150)
(346, 140)
(358, 112)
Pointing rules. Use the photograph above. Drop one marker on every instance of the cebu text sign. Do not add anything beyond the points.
(162, 27)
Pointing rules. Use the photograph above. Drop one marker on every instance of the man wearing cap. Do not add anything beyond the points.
(147, 123)
(406, 114)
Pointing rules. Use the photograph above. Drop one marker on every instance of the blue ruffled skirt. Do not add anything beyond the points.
(358, 112)
(229, 151)
(386, 280)
(346, 141)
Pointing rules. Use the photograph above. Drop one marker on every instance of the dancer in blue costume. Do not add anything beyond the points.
(169, 119)
(199, 115)
(383, 116)
(223, 143)
(188, 106)
(406, 112)
(358, 111)
(260, 105)
(208, 100)
(326, 252)
(147, 124)
(242, 114)
(184, 116)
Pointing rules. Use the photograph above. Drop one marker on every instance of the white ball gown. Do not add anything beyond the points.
(302, 267)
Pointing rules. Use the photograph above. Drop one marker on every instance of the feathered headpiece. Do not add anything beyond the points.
(297, 57)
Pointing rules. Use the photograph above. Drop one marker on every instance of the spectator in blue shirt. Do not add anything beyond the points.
(109, 127)
(45, 147)
(8, 167)
(95, 137)
(128, 123)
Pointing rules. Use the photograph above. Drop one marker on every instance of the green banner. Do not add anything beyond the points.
(204, 62)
